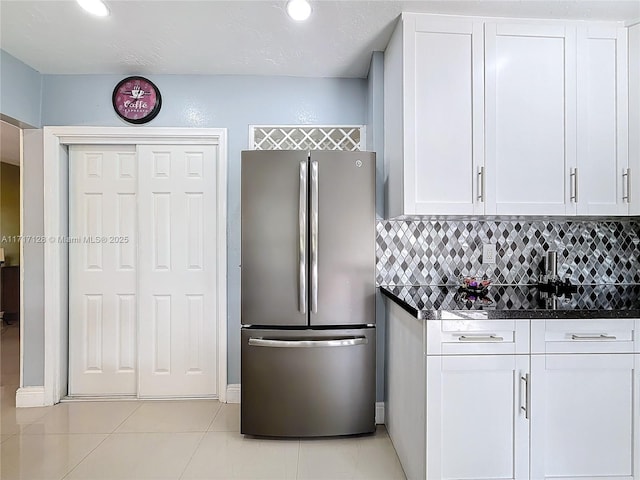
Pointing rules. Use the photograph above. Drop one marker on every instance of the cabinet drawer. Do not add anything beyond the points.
(477, 337)
(584, 336)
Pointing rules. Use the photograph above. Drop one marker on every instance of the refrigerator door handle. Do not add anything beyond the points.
(302, 240)
(329, 342)
(314, 237)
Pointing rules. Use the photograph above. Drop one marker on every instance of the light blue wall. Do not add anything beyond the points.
(20, 104)
(20, 90)
(232, 102)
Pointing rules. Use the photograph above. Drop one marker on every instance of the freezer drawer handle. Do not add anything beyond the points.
(329, 342)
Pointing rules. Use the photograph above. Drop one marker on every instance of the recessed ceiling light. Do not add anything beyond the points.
(298, 10)
(94, 7)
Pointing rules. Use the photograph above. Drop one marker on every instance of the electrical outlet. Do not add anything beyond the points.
(488, 253)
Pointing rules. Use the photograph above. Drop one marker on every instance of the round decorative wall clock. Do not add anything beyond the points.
(136, 100)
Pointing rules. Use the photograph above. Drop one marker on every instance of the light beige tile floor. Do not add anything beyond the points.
(172, 440)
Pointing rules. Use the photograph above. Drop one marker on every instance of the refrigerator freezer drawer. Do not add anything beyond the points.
(306, 383)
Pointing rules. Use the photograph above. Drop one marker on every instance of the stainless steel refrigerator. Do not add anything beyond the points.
(308, 293)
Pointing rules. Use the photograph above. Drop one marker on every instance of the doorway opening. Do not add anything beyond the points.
(10, 257)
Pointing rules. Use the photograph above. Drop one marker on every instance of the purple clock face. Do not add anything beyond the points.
(136, 100)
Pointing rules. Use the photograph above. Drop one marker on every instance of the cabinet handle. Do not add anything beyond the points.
(480, 338)
(481, 184)
(602, 336)
(574, 185)
(626, 185)
(525, 396)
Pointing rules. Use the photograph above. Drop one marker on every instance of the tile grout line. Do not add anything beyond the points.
(215, 416)
(201, 440)
(107, 436)
(66, 475)
(298, 459)
(186, 465)
(9, 437)
(141, 402)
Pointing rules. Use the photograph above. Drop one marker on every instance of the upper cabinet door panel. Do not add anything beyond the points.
(602, 121)
(530, 94)
(634, 119)
(443, 81)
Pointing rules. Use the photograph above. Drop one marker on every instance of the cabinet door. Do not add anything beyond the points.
(476, 417)
(634, 118)
(602, 174)
(582, 416)
(530, 118)
(443, 128)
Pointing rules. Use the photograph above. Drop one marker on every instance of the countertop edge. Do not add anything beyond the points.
(428, 314)
(412, 310)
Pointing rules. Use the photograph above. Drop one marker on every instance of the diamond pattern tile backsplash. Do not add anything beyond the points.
(439, 252)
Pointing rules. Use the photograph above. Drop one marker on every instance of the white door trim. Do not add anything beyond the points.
(56, 225)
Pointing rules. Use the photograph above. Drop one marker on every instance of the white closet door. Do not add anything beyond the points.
(102, 270)
(177, 280)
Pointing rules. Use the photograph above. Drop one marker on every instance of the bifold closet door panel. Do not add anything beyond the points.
(177, 271)
(102, 270)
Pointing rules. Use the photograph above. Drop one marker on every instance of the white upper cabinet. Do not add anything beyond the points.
(634, 118)
(602, 175)
(511, 117)
(530, 118)
(434, 116)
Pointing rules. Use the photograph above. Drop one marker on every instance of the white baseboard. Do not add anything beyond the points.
(233, 393)
(34, 397)
(379, 413)
(30, 397)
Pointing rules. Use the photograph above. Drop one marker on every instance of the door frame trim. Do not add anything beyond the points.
(56, 221)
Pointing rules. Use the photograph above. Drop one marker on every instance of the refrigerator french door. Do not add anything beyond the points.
(308, 293)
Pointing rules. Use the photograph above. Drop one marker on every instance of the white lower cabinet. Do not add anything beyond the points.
(476, 417)
(405, 389)
(582, 423)
(524, 399)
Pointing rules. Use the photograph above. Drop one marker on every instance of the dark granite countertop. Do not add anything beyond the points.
(517, 301)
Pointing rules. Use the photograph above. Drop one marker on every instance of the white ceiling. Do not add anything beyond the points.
(240, 37)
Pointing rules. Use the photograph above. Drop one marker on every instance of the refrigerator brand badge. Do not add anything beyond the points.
(358, 163)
